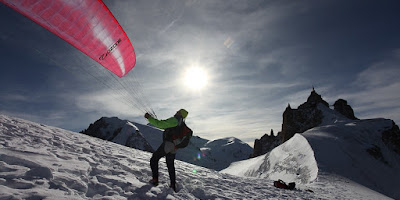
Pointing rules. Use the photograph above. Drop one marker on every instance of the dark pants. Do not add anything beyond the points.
(169, 157)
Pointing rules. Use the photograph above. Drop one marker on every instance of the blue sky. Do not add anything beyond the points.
(259, 56)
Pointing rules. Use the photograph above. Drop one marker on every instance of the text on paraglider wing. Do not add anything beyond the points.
(102, 57)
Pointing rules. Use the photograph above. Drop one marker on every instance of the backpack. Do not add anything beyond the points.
(179, 135)
(182, 137)
(281, 184)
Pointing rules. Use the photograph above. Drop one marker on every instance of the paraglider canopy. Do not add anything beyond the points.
(88, 25)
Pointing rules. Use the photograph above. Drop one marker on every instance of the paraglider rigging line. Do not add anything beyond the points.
(134, 98)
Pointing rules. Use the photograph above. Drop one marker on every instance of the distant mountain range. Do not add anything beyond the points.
(217, 154)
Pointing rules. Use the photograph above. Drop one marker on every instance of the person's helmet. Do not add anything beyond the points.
(184, 113)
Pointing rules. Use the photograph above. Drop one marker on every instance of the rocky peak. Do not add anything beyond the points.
(298, 120)
(313, 100)
(306, 116)
(343, 108)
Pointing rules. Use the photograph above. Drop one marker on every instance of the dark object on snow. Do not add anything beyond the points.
(281, 184)
(292, 185)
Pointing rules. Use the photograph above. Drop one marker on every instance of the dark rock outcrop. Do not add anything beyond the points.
(265, 144)
(307, 116)
(343, 108)
(391, 138)
(376, 152)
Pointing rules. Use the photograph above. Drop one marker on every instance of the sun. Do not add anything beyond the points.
(196, 78)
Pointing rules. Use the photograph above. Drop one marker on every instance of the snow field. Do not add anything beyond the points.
(42, 162)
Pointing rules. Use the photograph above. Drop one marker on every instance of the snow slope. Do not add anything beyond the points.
(338, 151)
(344, 147)
(43, 162)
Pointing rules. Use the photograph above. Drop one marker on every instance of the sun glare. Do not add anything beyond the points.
(196, 78)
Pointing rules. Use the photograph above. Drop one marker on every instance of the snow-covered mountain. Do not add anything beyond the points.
(217, 154)
(43, 162)
(118, 131)
(350, 150)
(225, 151)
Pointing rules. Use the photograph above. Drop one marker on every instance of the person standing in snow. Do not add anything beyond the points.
(169, 146)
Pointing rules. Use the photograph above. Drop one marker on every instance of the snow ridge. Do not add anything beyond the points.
(292, 161)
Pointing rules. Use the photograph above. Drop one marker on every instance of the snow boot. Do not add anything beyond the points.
(154, 181)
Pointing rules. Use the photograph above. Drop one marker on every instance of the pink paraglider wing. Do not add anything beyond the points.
(88, 25)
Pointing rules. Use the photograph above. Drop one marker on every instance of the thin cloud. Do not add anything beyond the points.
(16, 97)
(377, 90)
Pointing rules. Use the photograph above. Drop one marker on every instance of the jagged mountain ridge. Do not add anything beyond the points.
(217, 154)
(303, 118)
(299, 120)
(294, 121)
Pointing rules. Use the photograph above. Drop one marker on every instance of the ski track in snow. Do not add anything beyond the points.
(43, 162)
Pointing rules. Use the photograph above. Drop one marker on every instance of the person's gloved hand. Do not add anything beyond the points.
(147, 115)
